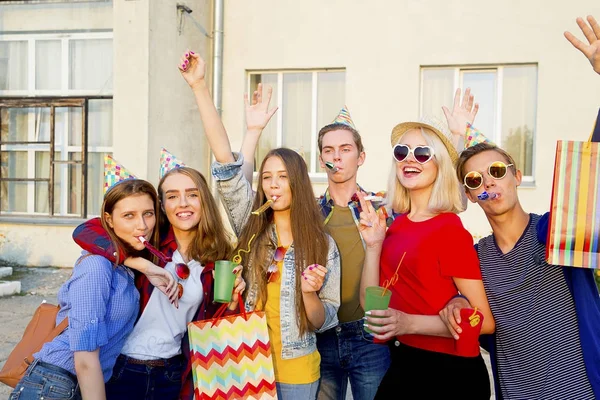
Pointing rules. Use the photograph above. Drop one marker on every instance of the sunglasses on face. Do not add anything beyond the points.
(497, 170)
(422, 154)
(273, 269)
(183, 272)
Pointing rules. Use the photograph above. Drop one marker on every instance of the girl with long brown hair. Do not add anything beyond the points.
(293, 266)
(101, 303)
(155, 358)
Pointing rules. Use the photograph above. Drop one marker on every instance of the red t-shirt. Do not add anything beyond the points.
(436, 250)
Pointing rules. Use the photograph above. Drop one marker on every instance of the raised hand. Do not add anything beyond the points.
(258, 114)
(192, 68)
(592, 34)
(312, 278)
(462, 113)
(372, 225)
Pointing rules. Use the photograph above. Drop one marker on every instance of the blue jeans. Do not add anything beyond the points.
(286, 391)
(137, 381)
(46, 381)
(348, 352)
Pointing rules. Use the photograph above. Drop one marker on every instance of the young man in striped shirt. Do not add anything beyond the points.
(547, 317)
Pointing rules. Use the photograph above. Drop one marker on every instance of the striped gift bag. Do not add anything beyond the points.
(231, 357)
(574, 233)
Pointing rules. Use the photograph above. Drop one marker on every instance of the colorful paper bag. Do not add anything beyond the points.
(231, 357)
(574, 232)
(596, 131)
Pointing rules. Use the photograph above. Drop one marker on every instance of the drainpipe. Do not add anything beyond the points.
(218, 54)
(217, 66)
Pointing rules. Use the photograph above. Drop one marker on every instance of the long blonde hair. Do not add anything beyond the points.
(211, 241)
(445, 196)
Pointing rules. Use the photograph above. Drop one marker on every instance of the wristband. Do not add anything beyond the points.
(463, 296)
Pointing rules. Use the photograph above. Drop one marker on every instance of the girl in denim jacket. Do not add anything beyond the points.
(293, 269)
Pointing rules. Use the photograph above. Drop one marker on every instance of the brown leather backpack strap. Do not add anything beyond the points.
(58, 329)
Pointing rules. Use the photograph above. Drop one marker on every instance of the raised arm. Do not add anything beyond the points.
(592, 33)
(193, 69)
(258, 116)
(463, 113)
(372, 228)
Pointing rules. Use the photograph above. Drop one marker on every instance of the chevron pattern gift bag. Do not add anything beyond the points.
(231, 357)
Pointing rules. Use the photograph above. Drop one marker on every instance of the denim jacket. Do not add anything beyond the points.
(237, 195)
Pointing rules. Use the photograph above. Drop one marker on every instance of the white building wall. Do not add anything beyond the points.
(152, 107)
(56, 17)
(33, 243)
(383, 44)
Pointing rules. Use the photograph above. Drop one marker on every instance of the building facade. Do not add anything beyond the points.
(80, 79)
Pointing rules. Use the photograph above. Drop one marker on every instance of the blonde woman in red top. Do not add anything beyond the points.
(438, 263)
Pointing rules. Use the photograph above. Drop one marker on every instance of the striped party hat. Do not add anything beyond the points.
(473, 137)
(168, 162)
(344, 118)
(114, 173)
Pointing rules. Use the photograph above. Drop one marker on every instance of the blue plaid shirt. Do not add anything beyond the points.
(102, 304)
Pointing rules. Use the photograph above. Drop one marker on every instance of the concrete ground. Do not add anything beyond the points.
(38, 284)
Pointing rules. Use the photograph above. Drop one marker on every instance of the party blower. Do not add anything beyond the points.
(154, 251)
(487, 196)
(264, 207)
(332, 167)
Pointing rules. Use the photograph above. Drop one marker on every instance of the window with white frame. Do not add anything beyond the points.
(307, 101)
(55, 122)
(507, 97)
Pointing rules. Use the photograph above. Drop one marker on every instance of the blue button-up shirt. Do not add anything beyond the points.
(102, 304)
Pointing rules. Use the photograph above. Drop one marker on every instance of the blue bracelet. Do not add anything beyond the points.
(463, 296)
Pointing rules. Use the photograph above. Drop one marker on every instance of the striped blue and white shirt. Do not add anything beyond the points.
(538, 348)
(102, 304)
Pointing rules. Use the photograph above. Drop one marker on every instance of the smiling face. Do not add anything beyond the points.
(181, 202)
(339, 148)
(132, 217)
(275, 183)
(410, 173)
(506, 188)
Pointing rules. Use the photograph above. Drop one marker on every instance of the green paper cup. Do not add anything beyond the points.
(376, 299)
(224, 280)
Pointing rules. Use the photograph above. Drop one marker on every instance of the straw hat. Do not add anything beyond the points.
(428, 123)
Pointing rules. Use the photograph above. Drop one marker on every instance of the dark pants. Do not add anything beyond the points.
(46, 381)
(137, 381)
(348, 352)
(417, 373)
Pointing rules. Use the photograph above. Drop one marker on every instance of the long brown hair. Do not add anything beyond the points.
(129, 187)
(310, 240)
(211, 242)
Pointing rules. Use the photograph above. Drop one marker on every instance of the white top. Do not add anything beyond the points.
(161, 327)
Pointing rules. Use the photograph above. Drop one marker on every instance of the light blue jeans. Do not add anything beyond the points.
(46, 381)
(307, 391)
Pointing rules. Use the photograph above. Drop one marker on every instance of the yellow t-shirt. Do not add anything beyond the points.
(301, 370)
